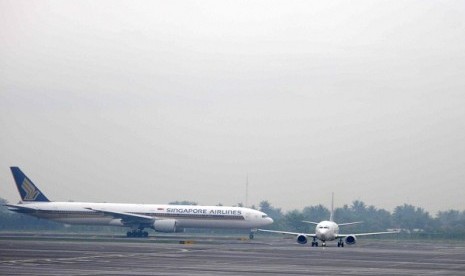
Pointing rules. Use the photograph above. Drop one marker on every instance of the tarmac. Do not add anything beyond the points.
(42, 254)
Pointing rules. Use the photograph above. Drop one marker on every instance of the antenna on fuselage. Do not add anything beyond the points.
(331, 215)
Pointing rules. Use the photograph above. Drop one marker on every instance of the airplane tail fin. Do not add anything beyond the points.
(331, 216)
(27, 190)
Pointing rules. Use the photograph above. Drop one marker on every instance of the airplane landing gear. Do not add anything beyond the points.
(137, 234)
(340, 243)
(252, 233)
(314, 242)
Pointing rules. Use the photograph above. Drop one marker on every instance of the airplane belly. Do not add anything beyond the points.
(326, 237)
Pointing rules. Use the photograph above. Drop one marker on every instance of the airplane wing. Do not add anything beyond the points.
(367, 234)
(287, 233)
(127, 218)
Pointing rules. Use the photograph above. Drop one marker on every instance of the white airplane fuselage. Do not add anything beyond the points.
(326, 230)
(160, 217)
(186, 216)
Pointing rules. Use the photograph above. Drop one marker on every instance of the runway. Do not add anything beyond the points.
(222, 255)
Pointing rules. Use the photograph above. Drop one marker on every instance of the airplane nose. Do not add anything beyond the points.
(270, 220)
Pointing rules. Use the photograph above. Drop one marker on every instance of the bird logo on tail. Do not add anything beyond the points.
(31, 192)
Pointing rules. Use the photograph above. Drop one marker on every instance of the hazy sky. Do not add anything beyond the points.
(156, 101)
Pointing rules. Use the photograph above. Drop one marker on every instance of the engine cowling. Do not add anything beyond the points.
(351, 239)
(116, 222)
(301, 239)
(165, 225)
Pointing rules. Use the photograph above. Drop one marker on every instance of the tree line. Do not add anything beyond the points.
(413, 221)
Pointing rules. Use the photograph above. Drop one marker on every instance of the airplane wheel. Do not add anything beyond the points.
(251, 236)
(146, 234)
(342, 244)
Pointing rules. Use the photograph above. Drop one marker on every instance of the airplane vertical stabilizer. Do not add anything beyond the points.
(27, 190)
(331, 216)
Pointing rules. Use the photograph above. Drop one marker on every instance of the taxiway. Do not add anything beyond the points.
(222, 255)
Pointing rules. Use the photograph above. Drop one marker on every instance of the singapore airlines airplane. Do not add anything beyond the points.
(161, 218)
(328, 230)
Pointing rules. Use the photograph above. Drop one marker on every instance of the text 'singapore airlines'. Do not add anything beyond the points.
(161, 218)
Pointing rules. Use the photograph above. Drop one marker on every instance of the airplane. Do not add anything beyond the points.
(159, 217)
(328, 230)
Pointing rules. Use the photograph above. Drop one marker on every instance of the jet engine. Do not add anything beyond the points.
(301, 239)
(116, 222)
(165, 225)
(351, 239)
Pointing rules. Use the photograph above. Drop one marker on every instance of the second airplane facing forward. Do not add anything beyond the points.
(328, 230)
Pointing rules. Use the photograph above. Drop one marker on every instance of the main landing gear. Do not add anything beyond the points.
(252, 233)
(138, 233)
(314, 242)
(340, 243)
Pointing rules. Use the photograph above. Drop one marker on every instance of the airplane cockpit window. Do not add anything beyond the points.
(264, 216)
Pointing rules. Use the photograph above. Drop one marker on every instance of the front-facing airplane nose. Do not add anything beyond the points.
(269, 220)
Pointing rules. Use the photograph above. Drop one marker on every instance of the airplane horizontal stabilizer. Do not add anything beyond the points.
(20, 208)
(311, 222)
(349, 223)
